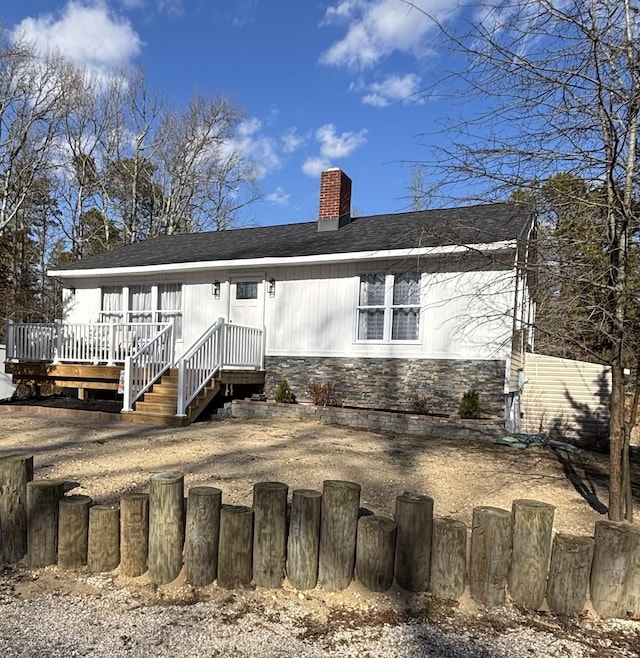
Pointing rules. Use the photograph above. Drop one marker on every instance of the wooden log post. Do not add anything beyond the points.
(269, 533)
(166, 526)
(304, 538)
(202, 535)
(134, 534)
(236, 544)
(448, 558)
(613, 572)
(532, 529)
(104, 538)
(15, 472)
(338, 529)
(73, 531)
(568, 581)
(490, 555)
(43, 500)
(375, 552)
(414, 521)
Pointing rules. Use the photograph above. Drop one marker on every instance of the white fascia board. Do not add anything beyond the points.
(316, 259)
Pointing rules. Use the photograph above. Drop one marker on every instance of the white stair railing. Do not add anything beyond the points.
(146, 366)
(199, 364)
(221, 345)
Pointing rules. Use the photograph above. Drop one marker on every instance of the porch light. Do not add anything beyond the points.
(215, 289)
(271, 287)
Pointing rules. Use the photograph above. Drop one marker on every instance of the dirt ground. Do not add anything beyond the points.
(107, 458)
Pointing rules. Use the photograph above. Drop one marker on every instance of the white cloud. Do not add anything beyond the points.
(315, 166)
(89, 35)
(333, 145)
(260, 149)
(378, 28)
(292, 141)
(394, 89)
(278, 197)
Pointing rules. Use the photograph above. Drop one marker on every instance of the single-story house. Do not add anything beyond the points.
(385, 307)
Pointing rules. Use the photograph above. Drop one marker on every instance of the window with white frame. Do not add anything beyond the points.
(389, 307)
(143, 303)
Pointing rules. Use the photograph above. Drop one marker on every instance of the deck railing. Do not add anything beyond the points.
(146, 366)
(59, 342)
(221, 345)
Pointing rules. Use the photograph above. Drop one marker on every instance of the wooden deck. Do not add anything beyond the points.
(158, 406)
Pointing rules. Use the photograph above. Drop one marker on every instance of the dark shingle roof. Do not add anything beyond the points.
(429, 228)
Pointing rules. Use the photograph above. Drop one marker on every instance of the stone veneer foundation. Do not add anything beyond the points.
(391, 383)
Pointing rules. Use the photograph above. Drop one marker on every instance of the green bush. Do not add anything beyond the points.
(284, 393)
(470, 404)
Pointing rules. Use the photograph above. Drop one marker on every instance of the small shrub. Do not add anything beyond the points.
(420, 404)
(284, 393)
(322, 395)
(470, 404)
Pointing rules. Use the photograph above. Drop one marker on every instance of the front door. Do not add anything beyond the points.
(246, 303)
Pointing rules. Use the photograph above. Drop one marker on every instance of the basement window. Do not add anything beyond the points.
(389, 307)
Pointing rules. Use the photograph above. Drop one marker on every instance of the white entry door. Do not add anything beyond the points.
(246, 302)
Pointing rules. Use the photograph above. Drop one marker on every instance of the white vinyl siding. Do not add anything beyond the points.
(389, 307)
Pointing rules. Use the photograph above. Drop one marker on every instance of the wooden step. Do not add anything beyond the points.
(165, 389)
(154, 419)
(156, 407)
(160, 397)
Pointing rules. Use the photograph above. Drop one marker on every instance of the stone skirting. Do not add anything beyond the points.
(390, 384)
(381, 421)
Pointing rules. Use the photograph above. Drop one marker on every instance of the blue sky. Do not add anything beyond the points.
(321, 83)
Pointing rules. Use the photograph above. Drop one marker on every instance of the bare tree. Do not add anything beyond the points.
(32, 93)
(560, 88)
(204, 178)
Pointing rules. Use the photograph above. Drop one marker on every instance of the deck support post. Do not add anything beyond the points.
(126, 398)
(11, 350)
(57, 334)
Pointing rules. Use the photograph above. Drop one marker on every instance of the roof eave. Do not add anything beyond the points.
(315, 259)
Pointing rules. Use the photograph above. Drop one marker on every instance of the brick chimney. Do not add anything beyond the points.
(335, 200)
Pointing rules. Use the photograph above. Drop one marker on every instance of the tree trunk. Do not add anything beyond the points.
(612, 573)
(338, 528)
(202, 535)
(15, 472)
(414, 521)
(617, 468)
(568, 582)
(134, 534)
(166, 526)
(532, 528)
(304, 538)
(375, 552)
(104, 538)
(448, 559)
(73, 531)
(43, 500)
(269, 533)
(236, 542)
(490, 555)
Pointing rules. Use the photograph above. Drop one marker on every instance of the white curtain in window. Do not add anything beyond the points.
(170, 305)
(111, 304)
(372, 289)
(406, 289)
(140, 303)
